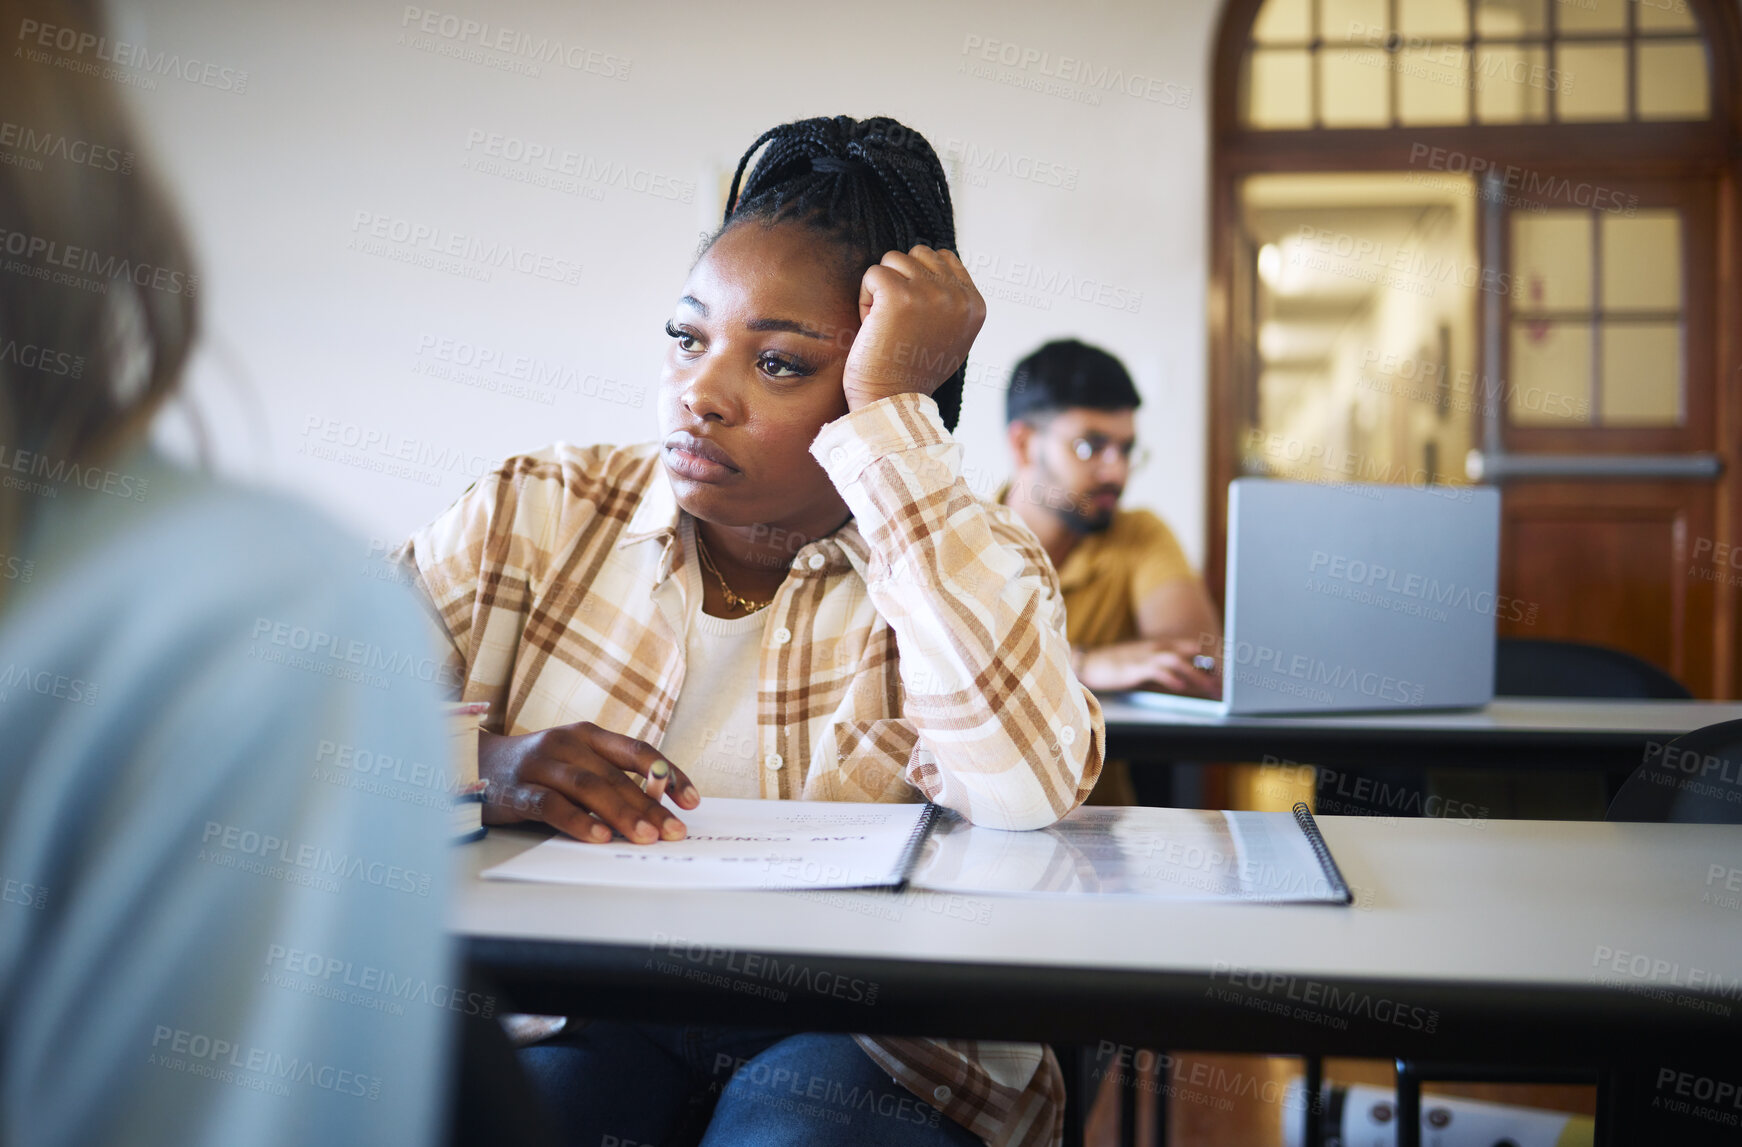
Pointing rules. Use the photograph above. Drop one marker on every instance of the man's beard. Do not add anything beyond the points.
(1085, 518)
(1079, 514)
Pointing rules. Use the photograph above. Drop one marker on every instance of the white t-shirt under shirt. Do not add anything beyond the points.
(712, 732)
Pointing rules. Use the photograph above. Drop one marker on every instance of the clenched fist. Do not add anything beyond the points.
(918, 314)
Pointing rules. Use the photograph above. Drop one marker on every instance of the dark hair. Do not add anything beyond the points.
(1064, 374)
(871, 186)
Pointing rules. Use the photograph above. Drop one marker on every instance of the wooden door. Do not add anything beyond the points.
(1604, 409)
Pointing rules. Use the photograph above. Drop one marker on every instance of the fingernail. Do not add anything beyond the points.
(673, 830)
(599, 832)
(644, 831)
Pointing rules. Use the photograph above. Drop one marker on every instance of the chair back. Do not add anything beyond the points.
(1527, 667)
(1694, 779)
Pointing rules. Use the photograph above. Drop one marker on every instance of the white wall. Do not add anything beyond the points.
(344, 114)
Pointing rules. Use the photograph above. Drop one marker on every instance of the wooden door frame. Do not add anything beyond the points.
(1711, 148)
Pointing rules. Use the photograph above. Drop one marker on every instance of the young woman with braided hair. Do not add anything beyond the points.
(792, 594)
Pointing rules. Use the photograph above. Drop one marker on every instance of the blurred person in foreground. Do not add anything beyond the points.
(206, 930)
(1137, 615)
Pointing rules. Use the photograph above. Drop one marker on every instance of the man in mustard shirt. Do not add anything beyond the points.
(1136, 613)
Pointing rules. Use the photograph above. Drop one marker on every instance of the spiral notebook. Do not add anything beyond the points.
(1147, 853)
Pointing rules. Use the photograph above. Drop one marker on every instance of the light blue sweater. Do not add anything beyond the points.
(215, 926)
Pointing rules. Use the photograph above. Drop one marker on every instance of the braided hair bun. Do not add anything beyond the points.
(870, 186)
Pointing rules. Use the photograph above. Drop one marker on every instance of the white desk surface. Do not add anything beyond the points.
(1505, 715)
(1438, 902)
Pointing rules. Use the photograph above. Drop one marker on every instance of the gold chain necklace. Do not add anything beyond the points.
(732, 599)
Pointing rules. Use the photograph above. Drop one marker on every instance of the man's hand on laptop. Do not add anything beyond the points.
(1164, 665)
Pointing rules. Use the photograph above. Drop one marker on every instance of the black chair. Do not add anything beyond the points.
(1527, 667)
(1694, 779)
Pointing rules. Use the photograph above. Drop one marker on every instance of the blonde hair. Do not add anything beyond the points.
(93, 263)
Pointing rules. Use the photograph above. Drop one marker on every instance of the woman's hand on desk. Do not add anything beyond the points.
(1164, 665)
(572, 774)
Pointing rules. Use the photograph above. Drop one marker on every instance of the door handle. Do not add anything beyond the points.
(1499, 466)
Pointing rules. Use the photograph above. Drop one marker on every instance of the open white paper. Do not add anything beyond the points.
(739, 844)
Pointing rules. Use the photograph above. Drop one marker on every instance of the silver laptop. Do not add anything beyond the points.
(1355, 597)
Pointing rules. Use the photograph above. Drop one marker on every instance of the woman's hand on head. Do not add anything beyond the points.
(576, 778)
(919, 313)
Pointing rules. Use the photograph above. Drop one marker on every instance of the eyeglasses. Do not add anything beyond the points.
(1092, 446)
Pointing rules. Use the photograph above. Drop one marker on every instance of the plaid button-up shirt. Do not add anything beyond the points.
(916, 653)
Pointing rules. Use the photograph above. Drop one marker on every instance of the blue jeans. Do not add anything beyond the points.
(643, 1085)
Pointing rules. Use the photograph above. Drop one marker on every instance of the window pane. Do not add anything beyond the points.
(1352, 87)
(1642, 261)
(1665, 16)
(1672, 80)
(1283, 21)
(1551, 374)
(1362, 21)
(1507, 18)
(1592, 81)
(1592, 16)
(1551, 261)
(1434, 19)
(1512, 85)
(1433, 85)
(1278, 89)
(1642, 375)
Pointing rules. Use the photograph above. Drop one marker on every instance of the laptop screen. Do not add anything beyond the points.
(1355, 597)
